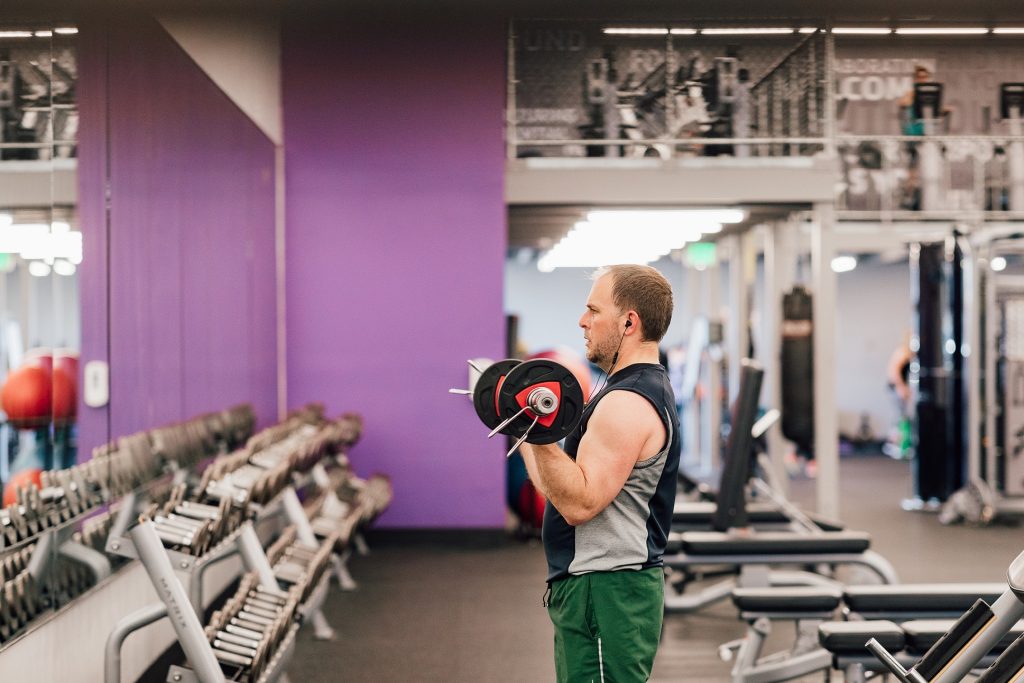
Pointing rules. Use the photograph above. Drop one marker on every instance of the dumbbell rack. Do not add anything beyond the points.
(171, 571)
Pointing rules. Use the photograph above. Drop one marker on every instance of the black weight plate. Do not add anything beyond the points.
(539, 371)
(486, 386)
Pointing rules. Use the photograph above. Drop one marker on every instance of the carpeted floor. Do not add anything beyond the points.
(445, 607)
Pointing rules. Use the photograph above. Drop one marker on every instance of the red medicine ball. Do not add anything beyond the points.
(27, 397)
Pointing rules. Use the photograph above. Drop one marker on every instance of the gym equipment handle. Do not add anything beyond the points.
(892, 664)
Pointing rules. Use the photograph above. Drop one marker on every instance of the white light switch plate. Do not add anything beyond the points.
(97, 384)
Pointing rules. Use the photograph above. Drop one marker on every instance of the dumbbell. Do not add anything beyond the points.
(537, 401)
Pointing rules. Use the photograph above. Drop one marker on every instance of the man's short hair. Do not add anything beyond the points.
(645, 290)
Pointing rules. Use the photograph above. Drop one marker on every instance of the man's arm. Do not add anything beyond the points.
(624, 428)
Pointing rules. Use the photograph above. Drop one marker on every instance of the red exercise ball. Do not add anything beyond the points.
(65, 387)
(65, 396)
(19, 480)
(27, 397)
(569, 359)
(39, 357)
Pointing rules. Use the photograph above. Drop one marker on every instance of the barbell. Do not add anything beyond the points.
(538, 401)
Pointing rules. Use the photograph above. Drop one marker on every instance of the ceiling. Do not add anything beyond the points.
(540, 227)
(980, 11)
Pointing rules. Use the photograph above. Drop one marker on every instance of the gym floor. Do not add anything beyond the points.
(470, 609)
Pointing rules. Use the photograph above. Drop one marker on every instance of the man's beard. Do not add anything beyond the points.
(600, 354)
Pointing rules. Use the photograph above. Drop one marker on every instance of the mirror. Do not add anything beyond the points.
(40, 252)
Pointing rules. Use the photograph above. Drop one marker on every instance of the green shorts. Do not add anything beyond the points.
(607, 625)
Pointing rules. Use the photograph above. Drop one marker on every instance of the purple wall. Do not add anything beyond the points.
(395, 247)
(191, 237)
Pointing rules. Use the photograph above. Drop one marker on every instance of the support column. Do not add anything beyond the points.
(826, 428)
(713, 387)
(736, 326)
(779, 273)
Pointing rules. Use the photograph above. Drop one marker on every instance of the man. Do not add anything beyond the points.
(610, 492)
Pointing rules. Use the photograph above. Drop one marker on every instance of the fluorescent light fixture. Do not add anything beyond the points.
(844, 264)
(66, 30)
(635, 31)
(997, 264)
(60, 226)
(36, 241)
(15, 34)
(65, 268)
(745, 31)
(38, 268)
(807, 29)
(683, 31)
(611, 236)
(861, 31)
(44, 34)
(949, 31)
(1008, 30)
(628, 218)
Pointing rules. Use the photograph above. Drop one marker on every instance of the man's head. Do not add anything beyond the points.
(922, 74)
(638, 295)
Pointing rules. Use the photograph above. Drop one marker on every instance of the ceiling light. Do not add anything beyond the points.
(844, 264)
(744, 31)
(683, 31)
(635, 31)
(65, 268)
(15, 34)
(961, 31)
(38, 268)
(807, 29)
(610, 236)
(44, 34)
(997, 264)
(861, 31)
(673, 216)
(1008, 30)
(36, 241)
(66, 30)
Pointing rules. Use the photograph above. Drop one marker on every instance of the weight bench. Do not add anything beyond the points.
(916, 601)
(758, 556)
(697, 516)
(908, 642)
(808, 607)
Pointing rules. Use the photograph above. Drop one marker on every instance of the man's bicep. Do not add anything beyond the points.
(615, 436)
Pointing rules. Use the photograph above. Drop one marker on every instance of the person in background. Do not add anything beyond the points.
(898, 375)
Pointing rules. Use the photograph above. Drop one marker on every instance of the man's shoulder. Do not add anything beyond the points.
(624, 403)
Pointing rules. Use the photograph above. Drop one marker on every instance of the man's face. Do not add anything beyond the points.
(600, 323)
(922, 76)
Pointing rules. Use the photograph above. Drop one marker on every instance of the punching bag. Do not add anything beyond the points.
(797, 362)
(939, 445)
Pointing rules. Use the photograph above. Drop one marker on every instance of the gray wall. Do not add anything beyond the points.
(549, 305)
(872, 316)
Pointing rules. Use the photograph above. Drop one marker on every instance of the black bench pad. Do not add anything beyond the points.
(787, 599)
(921, 634)
(773, 543)
(920, 597)
(700, 513)
(842, 637)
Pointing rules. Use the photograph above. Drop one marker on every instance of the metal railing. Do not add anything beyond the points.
(668, 98)
(933, 174)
